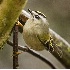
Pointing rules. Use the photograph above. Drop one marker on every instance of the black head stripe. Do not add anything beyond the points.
(40, 14)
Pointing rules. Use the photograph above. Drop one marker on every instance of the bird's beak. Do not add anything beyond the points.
(30, 11)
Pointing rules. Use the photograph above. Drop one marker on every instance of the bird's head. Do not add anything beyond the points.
(37, 16)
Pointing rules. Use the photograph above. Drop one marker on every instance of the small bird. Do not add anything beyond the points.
(36, 33)
(36, 27)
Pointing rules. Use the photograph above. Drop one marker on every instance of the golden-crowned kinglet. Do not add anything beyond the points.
(37, 35)
(36, 30)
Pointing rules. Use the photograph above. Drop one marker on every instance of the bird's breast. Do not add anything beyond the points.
(30, 37)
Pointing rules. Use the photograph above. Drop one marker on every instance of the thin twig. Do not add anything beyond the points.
(15, 46)
(34, 53)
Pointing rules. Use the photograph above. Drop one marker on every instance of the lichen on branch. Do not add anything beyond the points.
(9, 11)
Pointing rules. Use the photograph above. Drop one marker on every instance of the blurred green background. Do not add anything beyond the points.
(58, 16)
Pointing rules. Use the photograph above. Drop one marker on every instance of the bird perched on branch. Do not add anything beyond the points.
(36, 33)
(36, 27)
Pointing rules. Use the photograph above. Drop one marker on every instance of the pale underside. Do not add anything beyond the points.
(31, 33)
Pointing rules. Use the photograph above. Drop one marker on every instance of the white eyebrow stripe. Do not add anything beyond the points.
(40, 14)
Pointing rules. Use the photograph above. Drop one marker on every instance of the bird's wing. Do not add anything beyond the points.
(45, 43)
(51, 46)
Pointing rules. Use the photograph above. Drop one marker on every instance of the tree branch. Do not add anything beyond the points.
(15, 46)
(34, 53)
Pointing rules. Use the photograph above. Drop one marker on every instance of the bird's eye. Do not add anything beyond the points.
(36, 16)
